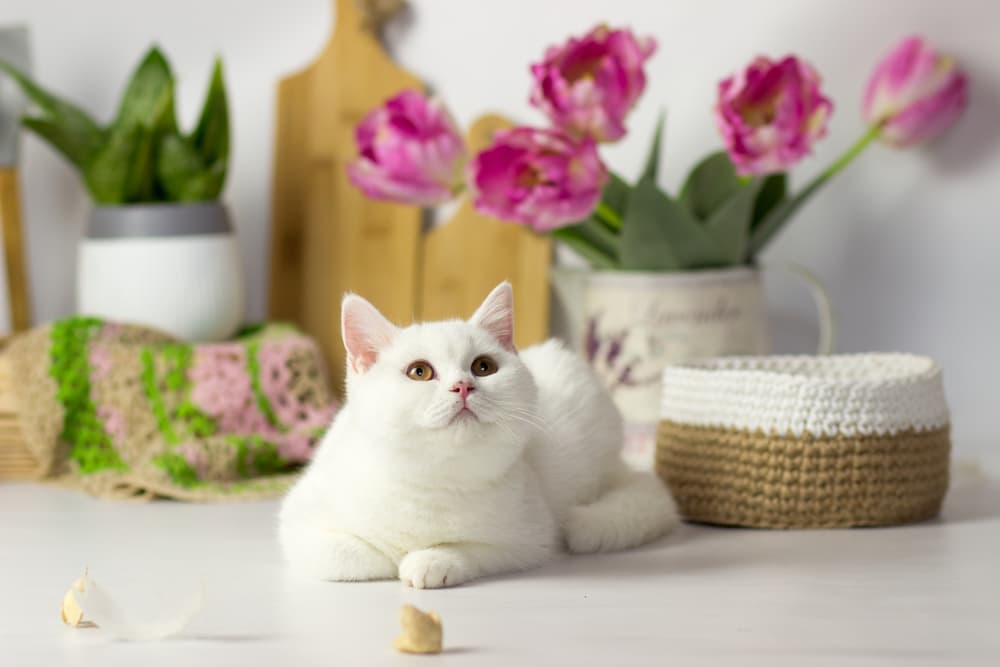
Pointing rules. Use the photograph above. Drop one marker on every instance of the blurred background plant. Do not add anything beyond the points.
(142, 155)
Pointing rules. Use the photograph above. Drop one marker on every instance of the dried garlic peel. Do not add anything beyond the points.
(86, 599)
(421, 631)
(71, 613)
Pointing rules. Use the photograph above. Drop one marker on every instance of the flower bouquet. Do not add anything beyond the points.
(732, 203)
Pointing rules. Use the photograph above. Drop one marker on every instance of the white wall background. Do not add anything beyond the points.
(908, 243)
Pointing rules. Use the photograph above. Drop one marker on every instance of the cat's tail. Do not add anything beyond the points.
(636, 509)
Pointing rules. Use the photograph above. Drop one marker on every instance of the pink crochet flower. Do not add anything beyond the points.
(221, 386)
(110, 330)
(297, 447)
(275, 380)
(99, 359)
(223, 389)
(112, 420)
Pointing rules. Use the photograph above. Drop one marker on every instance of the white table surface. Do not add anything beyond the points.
(917, 595)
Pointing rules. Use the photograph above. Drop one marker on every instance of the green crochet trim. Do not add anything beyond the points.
(186, 421)
(155, 398)
(178, 468)
(90, 446)
(257, 456)
(253, 366)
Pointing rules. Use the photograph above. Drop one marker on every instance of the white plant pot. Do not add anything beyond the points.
(632, 325)
(174, 267)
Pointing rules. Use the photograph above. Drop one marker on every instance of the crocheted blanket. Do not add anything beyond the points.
(120, 410)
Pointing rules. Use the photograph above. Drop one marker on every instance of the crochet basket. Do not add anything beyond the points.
(805, 442)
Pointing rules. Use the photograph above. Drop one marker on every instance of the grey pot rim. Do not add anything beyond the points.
(157, 219)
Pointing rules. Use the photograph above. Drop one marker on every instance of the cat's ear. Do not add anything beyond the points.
(365, 332)
(496, 314)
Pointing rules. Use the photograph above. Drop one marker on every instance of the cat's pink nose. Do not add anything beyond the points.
(462, 388)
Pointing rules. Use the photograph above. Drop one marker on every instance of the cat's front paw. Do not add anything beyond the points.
(434, 568)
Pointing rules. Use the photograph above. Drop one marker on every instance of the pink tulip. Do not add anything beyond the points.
(543, 178)
(770, 114)
(409, 151)
(587, 86)
(915, 93)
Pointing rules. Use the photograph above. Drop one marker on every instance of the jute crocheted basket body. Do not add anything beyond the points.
(805, 442)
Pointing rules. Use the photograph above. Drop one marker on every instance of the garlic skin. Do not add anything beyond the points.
(70, 612)
(88, 605)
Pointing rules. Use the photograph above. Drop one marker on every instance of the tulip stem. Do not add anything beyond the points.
(870, 135)
(777, 218)
(608, 216)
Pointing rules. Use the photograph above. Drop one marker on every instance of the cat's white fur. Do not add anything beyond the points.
(404, 486)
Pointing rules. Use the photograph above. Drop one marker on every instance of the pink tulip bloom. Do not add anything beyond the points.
(915, 93)
(543, 178)
(587, 86)
(409, 151)
(770, 114)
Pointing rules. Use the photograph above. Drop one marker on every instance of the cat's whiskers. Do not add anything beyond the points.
(441, 414)
(522, 415)
(506, 428)
(533, 422)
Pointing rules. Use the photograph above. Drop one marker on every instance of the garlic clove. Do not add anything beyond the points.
(422, 631)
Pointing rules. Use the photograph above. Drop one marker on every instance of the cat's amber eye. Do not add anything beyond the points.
(483, 366)
(420, 371)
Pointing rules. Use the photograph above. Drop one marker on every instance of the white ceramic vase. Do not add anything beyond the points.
(174, 267)
(632, 325)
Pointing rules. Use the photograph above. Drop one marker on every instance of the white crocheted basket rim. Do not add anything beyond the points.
(851, 394)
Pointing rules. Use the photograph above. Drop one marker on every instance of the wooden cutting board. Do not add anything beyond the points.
(327, 238)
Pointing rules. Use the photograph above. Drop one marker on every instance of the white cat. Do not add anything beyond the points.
(456, 457)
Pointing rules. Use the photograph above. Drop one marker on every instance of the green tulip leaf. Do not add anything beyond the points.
(601, 235)
(615, 194)
(772, 192)
(576, 240)
(611, 208)
(730, 223)
(653, 158)
(711, 183)
(661, 235)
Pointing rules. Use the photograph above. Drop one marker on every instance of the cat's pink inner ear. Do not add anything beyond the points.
(365, 332)
(496, 314)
